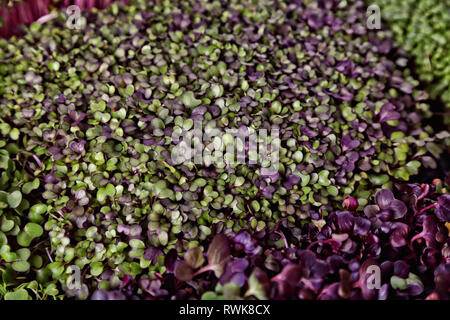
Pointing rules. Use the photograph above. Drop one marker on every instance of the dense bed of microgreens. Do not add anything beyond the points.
(407, 238)
(86, 121)
(422, 30)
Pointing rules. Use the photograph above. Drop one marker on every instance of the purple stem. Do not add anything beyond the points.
(284, 238)
(434, 205)
(425, 192)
